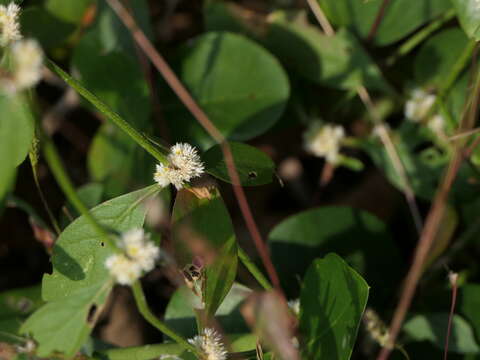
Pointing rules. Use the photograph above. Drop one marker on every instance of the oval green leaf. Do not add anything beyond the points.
(240, 85)
(332, 302)
(254, 167)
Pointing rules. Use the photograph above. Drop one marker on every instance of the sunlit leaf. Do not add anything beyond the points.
(332, 302)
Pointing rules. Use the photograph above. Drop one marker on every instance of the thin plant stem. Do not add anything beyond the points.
(321, 18)
(453, 277)
(63, 180)
(394, 158)
(419, 36)
(183, 94)
(145, 311)
(378, 20)
(139, 138)
(254, 270)
(33, 156)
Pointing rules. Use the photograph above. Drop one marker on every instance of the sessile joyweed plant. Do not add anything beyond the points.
(160, 223)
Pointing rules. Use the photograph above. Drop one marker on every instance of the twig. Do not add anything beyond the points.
(394, 158)
(452, 277)
(321, 18)
(378, 20)
(183, 94)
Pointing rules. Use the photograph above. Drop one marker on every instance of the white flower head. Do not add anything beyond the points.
(294, 305)
(9, 25)
(139, 248)
(419, 104)
(324, 141)
(125, 271)
(140, 255)
(184, 165)
(210, 345)
(27, 64)
(437, 124)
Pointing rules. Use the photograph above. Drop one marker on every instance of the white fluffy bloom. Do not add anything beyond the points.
(184, 165)
(419, 104)
(324, 141)
(437, 124)
(138, 248)
(139, 256)
(294, 305)
(125, 271)
(9, 25)
(210, 344)
(27, 63)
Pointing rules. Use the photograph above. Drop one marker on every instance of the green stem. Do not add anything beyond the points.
(254, 270)
(421, 35)
(153, 320)
(138, 137)
(61, 176)
(457, 68)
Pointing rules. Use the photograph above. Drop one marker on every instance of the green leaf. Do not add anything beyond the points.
(10, 330)
(332, 302)
(468, 305)
(42, 25)
(360, 16)
(433, 328)
(337, 61)
(90, 195)
(254, 166)
(468, 13)
(16, 134)
(242, 95)
(180, 315)
(438, 55)
(357, 235)
(68, 11)
(64, 324)
(79, 253)
(205, 225)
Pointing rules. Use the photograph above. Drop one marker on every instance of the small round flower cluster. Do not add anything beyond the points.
(418, 107)
(25, 57)
(324, 141)
(419, 104)
(376, 328)
(9, 26)
(210, 345)
(184, 164)
(139, 255)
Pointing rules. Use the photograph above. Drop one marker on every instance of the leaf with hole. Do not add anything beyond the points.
(203, 233)
(79, 253)
(64, 324)
(332, 302)
(254, 167)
